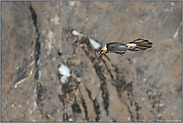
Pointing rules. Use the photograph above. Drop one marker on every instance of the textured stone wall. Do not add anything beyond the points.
(137, 86)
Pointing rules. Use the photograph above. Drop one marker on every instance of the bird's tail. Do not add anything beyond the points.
(140, 44)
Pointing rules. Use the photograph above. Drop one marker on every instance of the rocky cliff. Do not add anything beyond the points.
(49, 74)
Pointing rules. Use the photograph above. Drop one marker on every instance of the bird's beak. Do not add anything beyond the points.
(101, 51)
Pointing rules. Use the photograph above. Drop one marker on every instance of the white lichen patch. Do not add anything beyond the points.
(55, 20)
(73, 3)
(65, 72)
(70, 120)
(49, 42)
(76, 33)
(95, 44)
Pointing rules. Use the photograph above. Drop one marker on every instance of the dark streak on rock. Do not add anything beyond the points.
(122, 85)
(37, 75)
(89, 93)
(61, 97)
(85, 108)
(99, 72)
(23, 75)
(34, 17)
(108, 69)
(137, 108)
(95, 105)
(132, 117)
(105, 94)
(76, 108)
(65, 117)
(23, 71)
(155, 101)
(97, 110)
(39, 92)
(37, 47)
(39, 96)
(120, 82)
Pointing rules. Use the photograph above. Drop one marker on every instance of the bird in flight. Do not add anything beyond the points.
(121, 48)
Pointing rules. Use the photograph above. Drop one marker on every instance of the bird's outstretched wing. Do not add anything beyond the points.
(141, 44)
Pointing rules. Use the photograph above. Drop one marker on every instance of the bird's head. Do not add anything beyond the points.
(103, 50)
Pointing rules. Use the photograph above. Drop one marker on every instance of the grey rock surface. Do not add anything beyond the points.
(137, 86)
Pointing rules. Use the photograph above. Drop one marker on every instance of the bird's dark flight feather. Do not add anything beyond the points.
(142, 44)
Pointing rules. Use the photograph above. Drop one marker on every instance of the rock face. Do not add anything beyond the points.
(137, 86)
